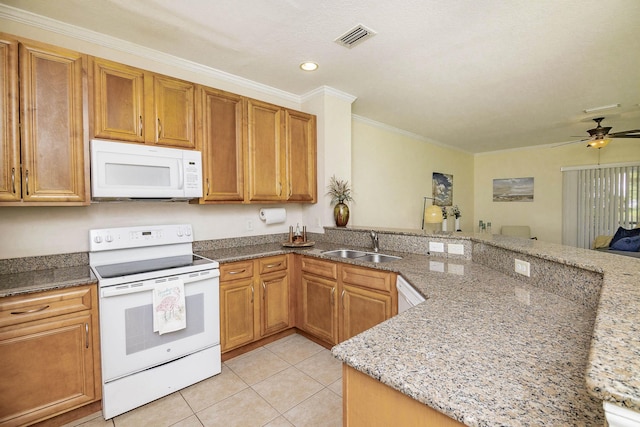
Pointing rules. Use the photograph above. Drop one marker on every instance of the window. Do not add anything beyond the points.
(597, 200)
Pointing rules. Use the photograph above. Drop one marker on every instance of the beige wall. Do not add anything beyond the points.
(391, 173)
(544, 214)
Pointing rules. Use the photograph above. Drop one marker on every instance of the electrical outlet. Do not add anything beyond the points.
(523, 267)
(249, 225)
(436, 247)
(436, 266)
(455, 248)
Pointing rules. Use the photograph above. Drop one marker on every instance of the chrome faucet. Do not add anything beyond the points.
(374, 240)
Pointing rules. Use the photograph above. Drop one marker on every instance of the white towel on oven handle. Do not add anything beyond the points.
(169, 307)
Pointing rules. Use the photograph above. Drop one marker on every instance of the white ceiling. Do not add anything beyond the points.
(479, 75)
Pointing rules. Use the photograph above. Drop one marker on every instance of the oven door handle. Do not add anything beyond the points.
(133, 288)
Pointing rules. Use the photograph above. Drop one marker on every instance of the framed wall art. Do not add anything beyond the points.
(513, 190)
(442, 185)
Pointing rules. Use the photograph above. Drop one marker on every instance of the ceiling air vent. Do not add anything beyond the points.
(354, 36)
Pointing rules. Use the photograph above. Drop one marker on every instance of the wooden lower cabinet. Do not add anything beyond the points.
(362, 309)
(319, 311)
(338, 301)
(369, 403)
(49, 364)
(254, 300)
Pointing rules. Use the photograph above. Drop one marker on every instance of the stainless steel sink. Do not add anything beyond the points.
(360, 255)
(345, 253)
(379, 258)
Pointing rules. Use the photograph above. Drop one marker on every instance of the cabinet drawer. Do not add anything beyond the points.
(274, 263)
(319, 267)
(236, 270)
(366, 278)
(41, 305)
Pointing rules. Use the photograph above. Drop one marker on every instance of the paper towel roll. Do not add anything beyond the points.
(273, 215)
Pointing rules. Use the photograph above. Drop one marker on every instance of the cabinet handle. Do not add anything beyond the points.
(208, 186)
(238, 271)
(252, 293)
(273, 265)
(27, 181)
(333, 291)
(159, 128)
(264, 290)
(86, 334)
(13, 180)
(34, 310)
(290, 190)
(280, 191)
(141, 126)
(342, 299)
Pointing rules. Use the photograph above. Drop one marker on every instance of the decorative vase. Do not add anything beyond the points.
(444, 224)
(341, 214)
(458, 224)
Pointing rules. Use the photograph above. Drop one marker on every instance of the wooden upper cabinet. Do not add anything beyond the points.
(266, 152)
(118, 101)
(134, 105)
(53, 142)
(220, 118)
(173, 108)
(301, 156)
(10, 140)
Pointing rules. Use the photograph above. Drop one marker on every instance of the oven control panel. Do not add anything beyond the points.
(134, 237)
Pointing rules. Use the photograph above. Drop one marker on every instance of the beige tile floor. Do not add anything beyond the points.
(290, 382)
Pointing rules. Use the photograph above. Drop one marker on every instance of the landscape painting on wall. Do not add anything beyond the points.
(513, 190)
(442, 189)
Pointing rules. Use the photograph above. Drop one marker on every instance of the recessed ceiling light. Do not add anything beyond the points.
(309, 66)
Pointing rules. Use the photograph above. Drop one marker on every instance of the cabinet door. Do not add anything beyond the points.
(221, 143)
(9, 140)
(236, 313)
(319, 309)
(266, 169)
(301, 158)
(54, 149)
(361, 310)
(46, 367)
(173, 107)
(118, 101)
(274, 296)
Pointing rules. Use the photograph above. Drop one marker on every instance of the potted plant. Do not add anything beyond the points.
(340, 193)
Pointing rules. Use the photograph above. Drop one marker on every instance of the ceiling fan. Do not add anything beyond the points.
(600, 136)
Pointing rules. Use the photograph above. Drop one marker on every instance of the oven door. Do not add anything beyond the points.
(128, 341)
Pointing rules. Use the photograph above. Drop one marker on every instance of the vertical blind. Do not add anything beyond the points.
(606, 198)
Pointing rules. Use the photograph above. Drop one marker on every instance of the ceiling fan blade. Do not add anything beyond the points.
(575, 141)
(626, 134)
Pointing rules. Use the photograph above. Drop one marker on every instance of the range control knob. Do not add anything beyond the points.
(108, 238)
(97, 239)
(179, 232)
(187, 231)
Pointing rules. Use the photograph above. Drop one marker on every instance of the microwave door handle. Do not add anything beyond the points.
(181, 171)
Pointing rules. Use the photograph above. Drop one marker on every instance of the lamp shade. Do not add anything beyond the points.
(433, 215)
(599, 143)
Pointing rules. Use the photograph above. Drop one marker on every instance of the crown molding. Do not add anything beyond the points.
(328, 90)
(62, 28)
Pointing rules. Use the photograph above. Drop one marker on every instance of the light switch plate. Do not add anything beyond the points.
(455, 248)
(436, 247)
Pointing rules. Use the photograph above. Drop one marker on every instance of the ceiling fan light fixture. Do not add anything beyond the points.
(599, 143)
(309, 66)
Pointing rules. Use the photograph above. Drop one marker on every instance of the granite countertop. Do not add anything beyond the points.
(45, 279)
(483, 349)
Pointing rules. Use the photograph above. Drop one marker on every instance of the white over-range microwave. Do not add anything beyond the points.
(122, 171)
